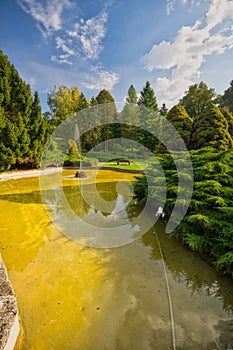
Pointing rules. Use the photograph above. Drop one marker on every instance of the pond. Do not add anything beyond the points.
(71, 296)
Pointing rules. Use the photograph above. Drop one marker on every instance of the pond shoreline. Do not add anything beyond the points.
(9, 322)
(20, 174)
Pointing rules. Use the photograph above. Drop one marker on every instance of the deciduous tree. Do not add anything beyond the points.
(197, 98)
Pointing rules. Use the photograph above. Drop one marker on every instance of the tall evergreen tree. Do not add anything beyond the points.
(104, 96)
(83, 102)
(149, 114)
(180, 119)
(20, 120)
(107, 116)
(211, 129)
(147, 98)
(132, 95)
(37, 130)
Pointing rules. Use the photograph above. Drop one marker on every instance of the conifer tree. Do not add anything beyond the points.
(22, 127)
(132, 95)
(180, 119)
(37, 131)
(107, 116)
(83, 102)
(227, 98)
(211, 129)
(229, 117)
(147, 98)
(163, 110)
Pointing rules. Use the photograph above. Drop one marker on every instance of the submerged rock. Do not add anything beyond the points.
(80, 174)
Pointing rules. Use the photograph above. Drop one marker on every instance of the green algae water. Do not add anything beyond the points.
(72, 297)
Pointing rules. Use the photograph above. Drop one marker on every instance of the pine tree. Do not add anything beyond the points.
(83, 103)
(37, 131)
(132, 95)
(22, 128)
(148, 99)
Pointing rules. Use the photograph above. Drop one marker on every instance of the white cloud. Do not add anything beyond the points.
(47, 13)
(170, 7)
(171, 4)
(182, 58)
(101, 79)
(61, 59)
(84, 38)
(89, 35)
(62, 44)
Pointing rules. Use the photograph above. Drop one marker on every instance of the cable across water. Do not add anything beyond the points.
(168, 293)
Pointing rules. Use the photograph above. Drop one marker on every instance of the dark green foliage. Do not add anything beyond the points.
(180, 119)
(148, 99)
(163, 110)
(197, 98)
(229, 117)
(73, 156)
(82, 102)
(148, 116)
(104, 97)
(226, 100)
(107, 117)
(132, 95)
(208, 225)
(22, 128)
(210, 128)
(38, 131)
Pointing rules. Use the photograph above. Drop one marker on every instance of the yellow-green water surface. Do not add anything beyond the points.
(71, 297)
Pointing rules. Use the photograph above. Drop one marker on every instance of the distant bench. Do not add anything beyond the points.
(125, 161)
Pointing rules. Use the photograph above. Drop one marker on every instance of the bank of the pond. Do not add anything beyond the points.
(9, 322)
(120, 170)
(18, 174)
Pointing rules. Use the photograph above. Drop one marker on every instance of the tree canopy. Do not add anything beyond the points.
(147, 98)
(227, 98)
(211, 129)
(197, 98)
(132, 95)
(180, 119)
(22, 128)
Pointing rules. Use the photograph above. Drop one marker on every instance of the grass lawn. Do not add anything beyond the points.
(136, 165)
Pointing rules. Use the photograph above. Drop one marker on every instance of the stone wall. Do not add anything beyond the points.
(9, 323)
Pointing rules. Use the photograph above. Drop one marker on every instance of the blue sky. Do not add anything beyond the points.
(97, 44)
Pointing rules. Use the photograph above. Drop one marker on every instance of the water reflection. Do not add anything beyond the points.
(90, 211)
(83, 298)
(202, 300)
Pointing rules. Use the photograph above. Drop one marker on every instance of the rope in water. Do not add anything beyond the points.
(168, 293)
